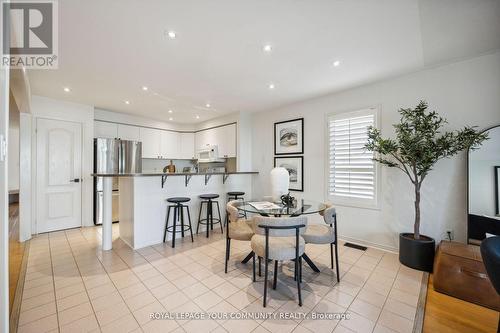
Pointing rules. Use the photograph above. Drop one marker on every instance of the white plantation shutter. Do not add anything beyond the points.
(352, 172)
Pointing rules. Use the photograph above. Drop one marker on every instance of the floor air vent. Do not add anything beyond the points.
(355, 246)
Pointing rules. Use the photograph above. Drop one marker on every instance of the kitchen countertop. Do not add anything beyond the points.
(159, 174)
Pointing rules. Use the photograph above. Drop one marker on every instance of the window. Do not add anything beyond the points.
(352, 174)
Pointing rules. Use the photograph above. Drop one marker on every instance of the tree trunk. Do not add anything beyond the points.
(416, 226)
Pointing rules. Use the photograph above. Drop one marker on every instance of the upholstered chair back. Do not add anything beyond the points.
(279, 221)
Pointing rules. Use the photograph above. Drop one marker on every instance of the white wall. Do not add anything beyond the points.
(466, 93)
(26, 193)
(43, 107)
(13, 145)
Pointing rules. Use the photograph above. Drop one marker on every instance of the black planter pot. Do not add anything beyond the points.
(416, 253)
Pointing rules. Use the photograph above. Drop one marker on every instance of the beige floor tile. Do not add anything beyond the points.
(160, 326)
(195, 290)
(196, 326)
(207, 300)
(358, 323)
(133, 290)
(371, 297)
(71, 301)
(86, 324)
(163, 290)
(101, 290)
(111, 314)
(37, 313)
(106, 301)
(140, 300)
(174, 300)
(340, 298)
(395, 322)
(144, 314)
(402, 309)
(365, 309)
(241, 299)
(404, 297)
(225, 290)
(42, 325)
(33, 302)
(36, 291)
(279, 326)
(123, 324)
(77, 312)
(240, 326)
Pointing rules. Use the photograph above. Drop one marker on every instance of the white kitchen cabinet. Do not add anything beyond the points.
(186, 146)
(104, 129)
(151, 142)
(226, 140)
(224, 137)
(127, 132)
(169, 145)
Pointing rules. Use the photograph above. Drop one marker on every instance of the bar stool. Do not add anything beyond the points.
(208, 199)
(178, 215)
(235, 195)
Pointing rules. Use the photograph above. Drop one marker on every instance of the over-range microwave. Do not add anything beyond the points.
(209, 153)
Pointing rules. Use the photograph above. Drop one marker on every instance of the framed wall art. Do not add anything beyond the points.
(289, 137)
(295, 167)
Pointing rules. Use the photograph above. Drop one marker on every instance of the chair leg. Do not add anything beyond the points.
(331, 255)
(199, 217)
(228, 247)
(298, 270)
(275, 274)
(220, 219)
(260, 272)
(266, 264)
(189, 220)
(175, 224)
(166, 224)
(253, 268)
(337, 261)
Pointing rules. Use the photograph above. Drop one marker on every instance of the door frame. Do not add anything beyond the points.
(34, 230)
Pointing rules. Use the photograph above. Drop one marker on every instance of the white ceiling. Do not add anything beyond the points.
(109, 49)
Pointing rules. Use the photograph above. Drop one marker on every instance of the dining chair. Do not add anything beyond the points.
(236, 228)
(325, 234)
(279, 239)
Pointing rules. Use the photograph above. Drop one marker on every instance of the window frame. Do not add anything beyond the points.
(350, 201)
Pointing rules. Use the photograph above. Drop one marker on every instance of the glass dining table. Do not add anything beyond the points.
(267, 208)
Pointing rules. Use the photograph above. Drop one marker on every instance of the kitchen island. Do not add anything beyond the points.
(143, 203)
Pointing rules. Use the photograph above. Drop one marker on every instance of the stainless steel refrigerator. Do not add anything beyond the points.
(113, 156)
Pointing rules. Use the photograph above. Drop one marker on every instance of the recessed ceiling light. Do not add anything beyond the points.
(171, 34)
(267, 48)
(170, 118)
(67, 89)
(336, 63)
(127, 102)
(271, 86)
(170, 111)
(197, 117)
(207, 105)
(144, 88)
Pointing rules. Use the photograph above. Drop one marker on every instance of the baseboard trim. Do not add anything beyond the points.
(16, 305)
(418, 323)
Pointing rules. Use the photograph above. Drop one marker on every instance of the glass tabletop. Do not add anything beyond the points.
(268, 208)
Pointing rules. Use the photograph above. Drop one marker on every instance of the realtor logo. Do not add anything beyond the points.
(29, 34)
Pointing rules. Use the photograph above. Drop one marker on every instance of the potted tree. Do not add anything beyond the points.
(419, 144)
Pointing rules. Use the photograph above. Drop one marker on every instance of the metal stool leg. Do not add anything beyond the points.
(220, 219)
(199, 217)
(166, 223)
(182, 219)
(175, 224)
(189, 220)
(208, 215)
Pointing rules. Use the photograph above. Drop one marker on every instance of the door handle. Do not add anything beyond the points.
(76, 180)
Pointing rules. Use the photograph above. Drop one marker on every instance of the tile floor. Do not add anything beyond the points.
(73, 286)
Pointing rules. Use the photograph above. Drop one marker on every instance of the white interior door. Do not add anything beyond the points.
(59, 169)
